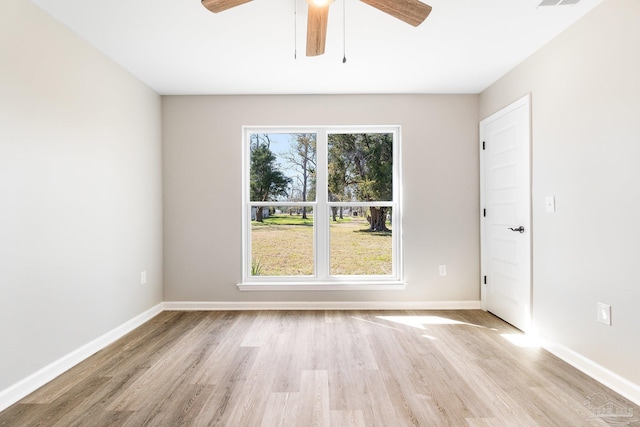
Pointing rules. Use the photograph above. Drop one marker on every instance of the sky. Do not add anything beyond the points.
(280, 146)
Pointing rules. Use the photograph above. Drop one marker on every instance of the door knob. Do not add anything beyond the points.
(519, 229)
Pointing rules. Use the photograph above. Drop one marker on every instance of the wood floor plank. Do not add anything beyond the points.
(23, 414)
(92, 408)
(180, 358)
(178, 408)
(281, 410)
(486, 422)
(313, 406)
(80, 395)
(347, 419)
(324, 368)
(226, 381)
(247, 399)
(289, 364)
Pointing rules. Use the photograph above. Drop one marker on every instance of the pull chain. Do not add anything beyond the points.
(295, 29)
(344, 31)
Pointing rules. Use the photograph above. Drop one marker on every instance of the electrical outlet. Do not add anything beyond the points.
(604, 313)
(143, 278)
(442, 269)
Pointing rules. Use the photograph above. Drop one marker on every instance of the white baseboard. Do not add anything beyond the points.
(319, 305)
(17, 391)
(615, 382)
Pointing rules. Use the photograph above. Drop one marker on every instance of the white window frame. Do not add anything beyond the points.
(321, 280)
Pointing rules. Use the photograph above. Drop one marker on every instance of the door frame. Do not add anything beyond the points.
(525, 101)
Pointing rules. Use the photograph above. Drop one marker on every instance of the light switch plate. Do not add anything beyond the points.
(550, 204)
(442, 269)
(604, 313)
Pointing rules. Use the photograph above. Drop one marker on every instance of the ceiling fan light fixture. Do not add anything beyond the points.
(412, 12)
(319, 3)
(317, 17)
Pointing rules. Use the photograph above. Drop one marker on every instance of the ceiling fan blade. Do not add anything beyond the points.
(412, 12)
(216, 6)
(318, 17)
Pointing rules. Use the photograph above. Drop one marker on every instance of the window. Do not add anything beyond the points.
(321, 208)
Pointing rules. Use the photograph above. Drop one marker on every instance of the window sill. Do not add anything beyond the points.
(323, 286)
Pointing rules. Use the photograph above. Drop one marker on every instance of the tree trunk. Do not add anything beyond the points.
(304, 212)
(334, 212)
(259, 213)
(378, 220)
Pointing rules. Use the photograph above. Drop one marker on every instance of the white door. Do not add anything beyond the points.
(506, 213)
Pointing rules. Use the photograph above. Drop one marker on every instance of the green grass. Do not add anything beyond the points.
(356, 251)
(283, 246)
(284, 219)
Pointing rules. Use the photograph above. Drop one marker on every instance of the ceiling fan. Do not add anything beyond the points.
(412, 12)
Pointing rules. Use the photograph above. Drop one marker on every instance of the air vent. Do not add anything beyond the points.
(558, 2)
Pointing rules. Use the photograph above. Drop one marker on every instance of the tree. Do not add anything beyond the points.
(302, 156)
(337, 179)
(361, 169)
(267, 182)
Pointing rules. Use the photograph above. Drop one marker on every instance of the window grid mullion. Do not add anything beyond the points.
(321, 216)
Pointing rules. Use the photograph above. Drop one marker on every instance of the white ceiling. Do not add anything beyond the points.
(179, 47)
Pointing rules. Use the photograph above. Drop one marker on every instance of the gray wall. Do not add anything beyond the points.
(585, 88)
(80, 192)
(202, 190)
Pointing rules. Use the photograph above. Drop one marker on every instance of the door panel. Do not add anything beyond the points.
(506, 205)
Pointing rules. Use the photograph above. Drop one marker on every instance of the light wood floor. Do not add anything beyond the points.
(318, 368)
